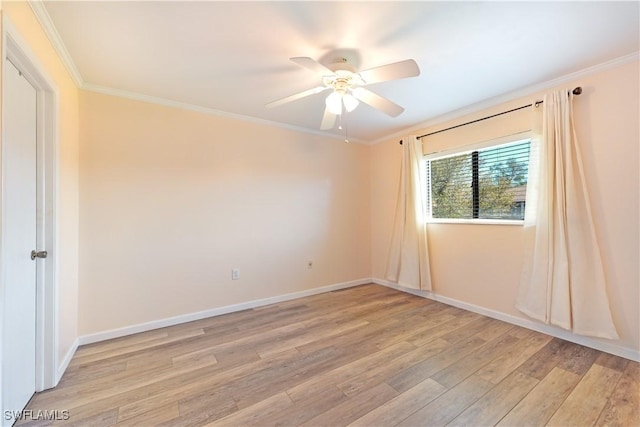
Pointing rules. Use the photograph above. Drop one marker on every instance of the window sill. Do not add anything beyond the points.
(478, 221)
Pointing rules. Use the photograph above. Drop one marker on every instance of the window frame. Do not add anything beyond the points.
(504, 141)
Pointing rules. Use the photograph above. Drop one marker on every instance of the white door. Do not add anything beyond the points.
(19, 229)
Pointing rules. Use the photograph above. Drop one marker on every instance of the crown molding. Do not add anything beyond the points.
(52, 34)
(510, 96)
(211, 111)
(37, 6)
(54, 37)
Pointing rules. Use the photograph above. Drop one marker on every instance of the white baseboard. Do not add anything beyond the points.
(190, 317)
(64, 363)
(607, 347)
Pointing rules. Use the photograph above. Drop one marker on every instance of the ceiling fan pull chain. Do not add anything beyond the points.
(346, 138)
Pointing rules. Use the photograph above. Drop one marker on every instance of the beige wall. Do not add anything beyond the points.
(171, 200)
(20, 15)
(480, 264)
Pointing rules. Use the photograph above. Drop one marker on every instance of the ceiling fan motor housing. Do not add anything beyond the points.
(342, 64)
(345, 76)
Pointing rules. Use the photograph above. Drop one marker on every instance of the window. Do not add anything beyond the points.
(487, 184)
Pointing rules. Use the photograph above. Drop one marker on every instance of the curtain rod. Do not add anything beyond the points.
(576, 91)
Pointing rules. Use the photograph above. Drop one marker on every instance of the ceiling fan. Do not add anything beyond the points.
(347, 86)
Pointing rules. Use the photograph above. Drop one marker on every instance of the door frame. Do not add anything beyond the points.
(16, 49)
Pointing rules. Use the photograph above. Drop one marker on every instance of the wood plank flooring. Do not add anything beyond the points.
(363, 356)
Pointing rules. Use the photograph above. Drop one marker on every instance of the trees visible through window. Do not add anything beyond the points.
(490, 183)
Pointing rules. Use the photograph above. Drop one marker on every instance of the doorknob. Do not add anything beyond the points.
(38, 254)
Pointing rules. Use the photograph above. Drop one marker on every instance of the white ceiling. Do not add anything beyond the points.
(234, 56)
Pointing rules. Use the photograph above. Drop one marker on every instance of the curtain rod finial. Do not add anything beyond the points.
(577, 91)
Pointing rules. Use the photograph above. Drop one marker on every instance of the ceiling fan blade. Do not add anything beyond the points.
(313, 65)
(328, 119)
(397, 70)
(296, 96)
(377, 101)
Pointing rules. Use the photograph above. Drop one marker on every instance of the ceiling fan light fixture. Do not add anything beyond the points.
(350, 102)
(334, 103)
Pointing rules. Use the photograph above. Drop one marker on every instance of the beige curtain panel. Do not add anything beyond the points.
(408, 263)
(563, 282)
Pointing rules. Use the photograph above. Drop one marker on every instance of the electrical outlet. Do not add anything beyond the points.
(309, 264)
(235, 274)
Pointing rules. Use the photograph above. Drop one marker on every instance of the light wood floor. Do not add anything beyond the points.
(362, 356)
